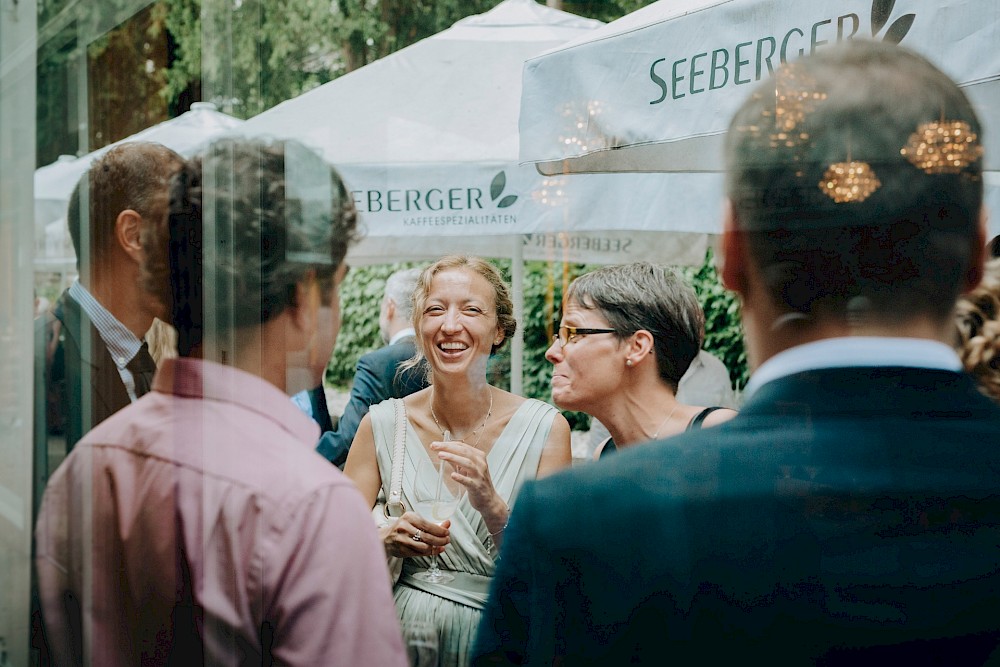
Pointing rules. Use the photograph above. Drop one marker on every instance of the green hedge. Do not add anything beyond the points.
(723, 328)
(361, 296)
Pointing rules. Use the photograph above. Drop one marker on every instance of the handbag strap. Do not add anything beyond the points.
(696, 422)
(394, 505)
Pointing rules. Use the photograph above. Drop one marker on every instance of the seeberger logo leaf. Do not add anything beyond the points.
(881, 9)
(496, 189)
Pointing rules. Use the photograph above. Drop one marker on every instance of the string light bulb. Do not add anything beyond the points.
(942, 147)
(849, 182)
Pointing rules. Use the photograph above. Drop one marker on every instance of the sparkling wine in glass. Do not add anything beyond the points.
(437, 497)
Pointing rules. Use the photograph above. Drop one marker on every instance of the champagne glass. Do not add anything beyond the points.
(437, 497)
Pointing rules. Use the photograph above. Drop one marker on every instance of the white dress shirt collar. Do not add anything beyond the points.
(401, 334)
(855, 351)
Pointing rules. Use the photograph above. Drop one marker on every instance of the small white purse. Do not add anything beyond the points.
(388, 510)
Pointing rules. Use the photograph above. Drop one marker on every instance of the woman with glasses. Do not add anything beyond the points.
(628, 334)
(489, 440)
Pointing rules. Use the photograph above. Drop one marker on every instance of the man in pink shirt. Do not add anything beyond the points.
(198, 525)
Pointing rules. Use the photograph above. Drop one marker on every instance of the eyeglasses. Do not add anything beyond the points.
(567, 335)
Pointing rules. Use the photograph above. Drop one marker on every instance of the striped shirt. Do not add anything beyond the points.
(120, 341)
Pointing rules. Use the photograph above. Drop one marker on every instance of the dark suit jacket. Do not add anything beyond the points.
(375, 380)
(846, 516)
(77, 385)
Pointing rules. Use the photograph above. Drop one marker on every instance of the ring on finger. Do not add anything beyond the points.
(416, 536)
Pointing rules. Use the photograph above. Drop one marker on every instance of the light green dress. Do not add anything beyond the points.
(455, 607)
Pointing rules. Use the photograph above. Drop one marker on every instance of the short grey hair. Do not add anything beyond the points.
(644, 296)
(400, 287)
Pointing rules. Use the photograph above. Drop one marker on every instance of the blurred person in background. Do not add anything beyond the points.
(707, 382)
(90, 357)
(977, 325)
(162, 341)
(993, 247)
(380, 374)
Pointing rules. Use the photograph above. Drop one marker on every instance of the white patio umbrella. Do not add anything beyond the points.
(662, 83)
(427, 139)
(655, 89)
(54, 183)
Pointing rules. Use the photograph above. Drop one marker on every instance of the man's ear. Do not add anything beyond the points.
(390, 309)
(733, 253)
(128, 226)
(305, 310)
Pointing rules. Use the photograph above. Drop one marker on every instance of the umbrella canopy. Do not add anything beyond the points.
(654, 90)
(54, 183)
(427, 140)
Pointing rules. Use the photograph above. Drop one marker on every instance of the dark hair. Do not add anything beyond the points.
(903, 250)
(133, 175)
(251, 219)
(644, 296)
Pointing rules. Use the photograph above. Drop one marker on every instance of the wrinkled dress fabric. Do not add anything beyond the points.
(455, 607)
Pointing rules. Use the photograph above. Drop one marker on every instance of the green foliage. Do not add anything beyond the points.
(360, 300)
(264, 51)
(543, 292)
(269, 51)
(723, 328)
(183, 22)
(604, 10)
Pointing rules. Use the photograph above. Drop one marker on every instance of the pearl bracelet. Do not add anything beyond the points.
(490, 542)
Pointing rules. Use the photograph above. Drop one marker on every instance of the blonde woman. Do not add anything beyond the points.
(462, 314)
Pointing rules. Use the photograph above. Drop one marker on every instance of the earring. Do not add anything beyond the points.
(628, 362)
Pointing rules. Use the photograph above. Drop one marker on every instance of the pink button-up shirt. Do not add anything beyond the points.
(199, 526)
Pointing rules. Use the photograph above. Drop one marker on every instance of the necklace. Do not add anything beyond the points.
(664, 422)
(480, 430)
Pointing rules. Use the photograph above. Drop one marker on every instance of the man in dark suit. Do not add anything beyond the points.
(378, 375)
(90, 360)
(850, 513)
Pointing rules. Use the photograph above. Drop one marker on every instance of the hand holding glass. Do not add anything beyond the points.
(436, 502)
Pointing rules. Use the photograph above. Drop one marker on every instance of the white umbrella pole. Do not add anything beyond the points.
(517, 345)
